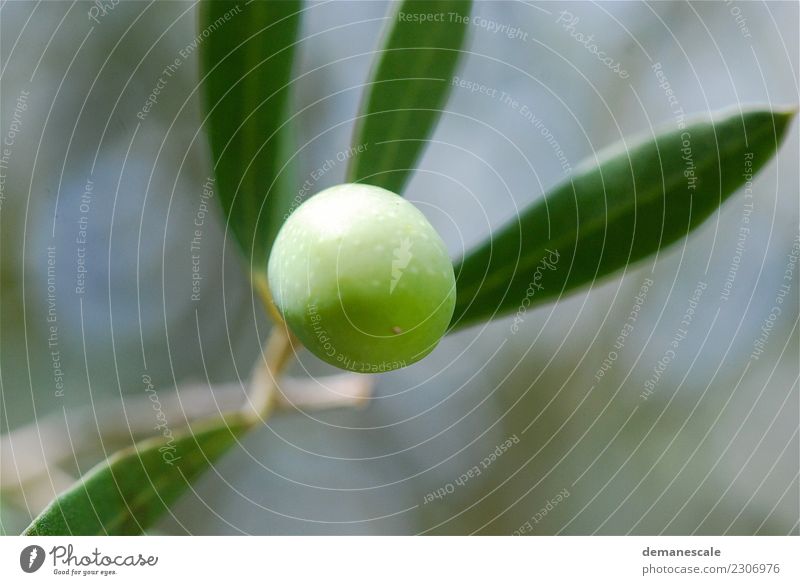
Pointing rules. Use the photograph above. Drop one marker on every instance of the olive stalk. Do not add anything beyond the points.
(261, 286)
(263, 394)
(280, 346)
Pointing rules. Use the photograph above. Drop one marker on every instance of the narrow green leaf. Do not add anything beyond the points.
(409, 86)
(246, 64)
(628, 206)
(129, 491)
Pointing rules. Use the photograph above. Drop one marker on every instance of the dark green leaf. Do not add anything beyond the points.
(623, 208)
(246, 65)
(409, 86)
(129, 491)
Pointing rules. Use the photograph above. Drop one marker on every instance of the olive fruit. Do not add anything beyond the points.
(362, 279)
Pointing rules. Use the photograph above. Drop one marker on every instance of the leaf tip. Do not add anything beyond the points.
(786, 113)
(782, 118)
(774, 119)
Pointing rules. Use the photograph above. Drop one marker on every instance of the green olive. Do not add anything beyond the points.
(362, 279)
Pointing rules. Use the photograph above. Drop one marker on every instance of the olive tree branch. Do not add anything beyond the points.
(31, 452)
(261, 286)
(44, 455)
(262, 396)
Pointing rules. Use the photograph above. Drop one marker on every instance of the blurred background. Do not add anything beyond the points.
(573, 429)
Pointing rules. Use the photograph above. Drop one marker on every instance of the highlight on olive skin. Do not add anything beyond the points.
(362, 279)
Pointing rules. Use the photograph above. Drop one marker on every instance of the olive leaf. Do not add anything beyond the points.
(409, 85)
(632, 202)
(129, 491)
(246, 64)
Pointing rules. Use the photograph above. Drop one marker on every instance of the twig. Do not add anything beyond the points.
(264, 380)
(261, 286)
(28, 452)
(326, 392)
